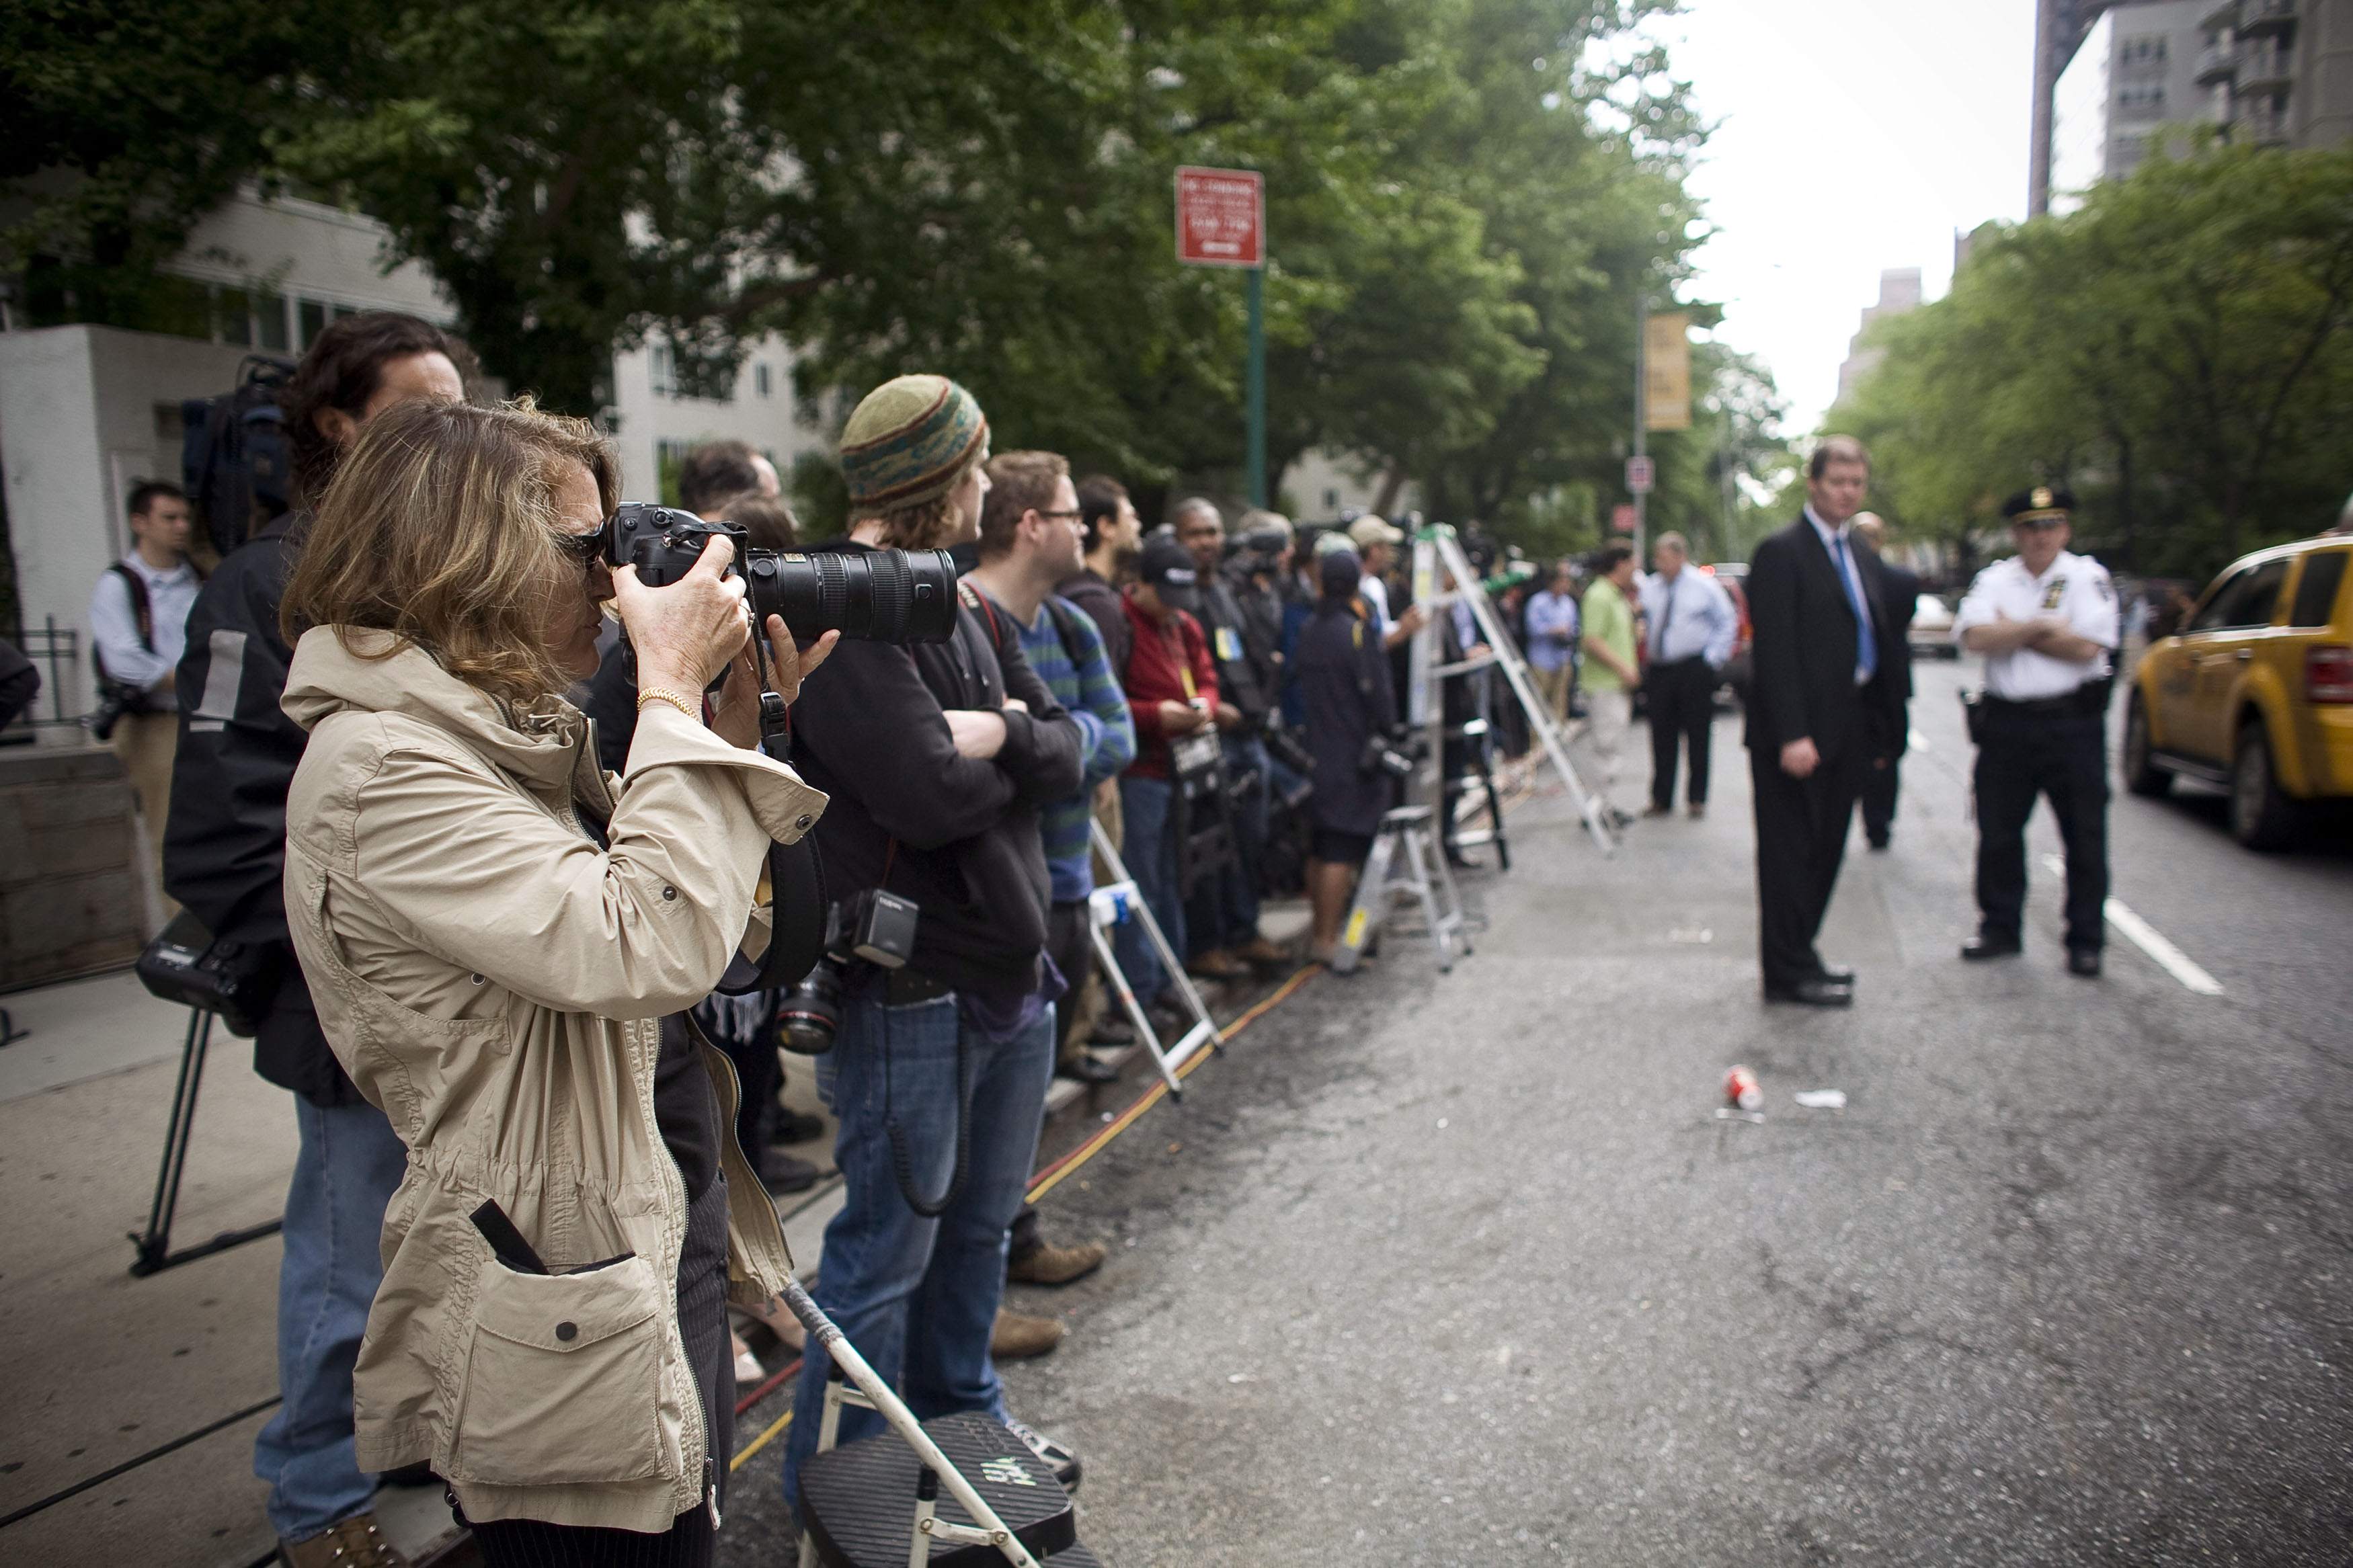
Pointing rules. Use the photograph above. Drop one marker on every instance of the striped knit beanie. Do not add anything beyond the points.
(908, 440)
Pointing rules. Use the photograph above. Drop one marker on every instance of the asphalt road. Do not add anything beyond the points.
(1445, 1270)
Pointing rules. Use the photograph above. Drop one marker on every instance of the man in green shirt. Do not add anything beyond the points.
(1610, 675)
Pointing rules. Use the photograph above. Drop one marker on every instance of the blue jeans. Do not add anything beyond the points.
(918, 1297)
(1150, 851)
(1224, 913)
(350, 1164)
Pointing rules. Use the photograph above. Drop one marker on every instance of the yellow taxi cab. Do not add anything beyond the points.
(2255, 692)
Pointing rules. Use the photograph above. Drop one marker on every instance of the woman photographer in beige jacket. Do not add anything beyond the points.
(502, 941)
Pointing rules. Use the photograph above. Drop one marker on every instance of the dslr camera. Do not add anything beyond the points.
(877, 596)
(870, 927)
(1395, 755)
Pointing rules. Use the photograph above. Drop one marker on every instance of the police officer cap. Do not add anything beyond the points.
(2043, 503)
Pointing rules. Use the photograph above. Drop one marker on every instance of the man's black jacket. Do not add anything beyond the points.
(1245, 673)
(959, 836)
(225, 837)
(1103, 606)
(1804, 650)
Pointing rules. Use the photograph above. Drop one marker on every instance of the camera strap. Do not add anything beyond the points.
(796, 910)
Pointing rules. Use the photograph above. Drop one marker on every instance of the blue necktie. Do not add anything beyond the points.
(1866, 645)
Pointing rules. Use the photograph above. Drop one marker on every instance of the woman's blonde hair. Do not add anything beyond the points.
(440, 527)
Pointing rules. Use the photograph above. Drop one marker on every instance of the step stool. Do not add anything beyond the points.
(1405, 862)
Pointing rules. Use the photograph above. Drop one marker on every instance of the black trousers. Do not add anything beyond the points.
(2064, 758)
(1681, 700)
(1879, 787)
(1801, 832)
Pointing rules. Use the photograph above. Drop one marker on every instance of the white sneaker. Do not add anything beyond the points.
(1060, 1460)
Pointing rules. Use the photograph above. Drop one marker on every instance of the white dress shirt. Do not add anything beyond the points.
(2075, 588)
(1703, 623)
(114, 627)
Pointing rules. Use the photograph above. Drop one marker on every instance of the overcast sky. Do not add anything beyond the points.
(1854, 135)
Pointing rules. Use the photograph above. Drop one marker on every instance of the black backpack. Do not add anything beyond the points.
(233, 453)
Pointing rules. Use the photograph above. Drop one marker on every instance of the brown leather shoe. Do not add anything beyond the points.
(1215, 964)
(353, 1543)
(1017, 1337)
(1050, 1265)
(1259, 953)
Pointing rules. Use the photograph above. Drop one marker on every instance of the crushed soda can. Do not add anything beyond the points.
(1740, 1088)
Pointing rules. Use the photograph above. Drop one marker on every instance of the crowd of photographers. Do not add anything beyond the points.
(1201, 701)
(1031, 675)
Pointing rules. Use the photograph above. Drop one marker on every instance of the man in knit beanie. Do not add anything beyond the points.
(937, 757)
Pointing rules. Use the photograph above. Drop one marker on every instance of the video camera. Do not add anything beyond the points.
(877, 596)
(1258, 550)
(1395, 754)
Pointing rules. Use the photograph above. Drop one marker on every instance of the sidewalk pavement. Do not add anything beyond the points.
(102, 1368)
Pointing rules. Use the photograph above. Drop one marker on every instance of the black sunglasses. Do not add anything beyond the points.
(586, 549)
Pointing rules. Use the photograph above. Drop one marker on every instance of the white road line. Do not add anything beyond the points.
(1920, 743)
(2147, 938)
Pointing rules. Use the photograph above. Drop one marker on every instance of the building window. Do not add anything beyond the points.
(270, 322)
(660, 371)
(310, 318)
(760, 382)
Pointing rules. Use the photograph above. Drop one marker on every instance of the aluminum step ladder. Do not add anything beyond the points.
(1405, 863)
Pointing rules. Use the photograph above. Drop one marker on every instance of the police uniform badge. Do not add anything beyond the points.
(2042, 498)
(2056, 592)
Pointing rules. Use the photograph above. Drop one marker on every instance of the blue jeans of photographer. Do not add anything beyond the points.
(918, 1297)
(1146, 805)
(350, 1164)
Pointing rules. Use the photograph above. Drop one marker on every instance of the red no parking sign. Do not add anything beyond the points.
(1220, 217)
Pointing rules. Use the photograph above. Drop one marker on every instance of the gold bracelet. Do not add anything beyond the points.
(659, 694)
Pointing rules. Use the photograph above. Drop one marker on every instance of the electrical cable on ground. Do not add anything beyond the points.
(773, 1382)
(762, 1441)
(1045, 1181)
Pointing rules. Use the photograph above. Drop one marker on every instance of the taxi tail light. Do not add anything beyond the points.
(2329, 673)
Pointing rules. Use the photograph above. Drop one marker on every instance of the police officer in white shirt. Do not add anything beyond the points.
(2046, 620)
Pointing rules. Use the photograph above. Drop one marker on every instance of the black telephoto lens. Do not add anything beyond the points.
(878, 596)
(810, 1014)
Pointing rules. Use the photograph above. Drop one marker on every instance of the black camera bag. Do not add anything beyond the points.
(235, 980)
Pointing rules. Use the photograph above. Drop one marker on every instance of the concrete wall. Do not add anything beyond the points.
(308, 250)
(1322, 485)
(2320, 110)
(72, 897)
(80, 426)
(649, 415)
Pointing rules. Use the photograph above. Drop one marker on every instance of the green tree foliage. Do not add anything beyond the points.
(1461, 203)
(2177, 350)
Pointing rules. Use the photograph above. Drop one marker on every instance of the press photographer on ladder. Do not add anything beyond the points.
(938, 758)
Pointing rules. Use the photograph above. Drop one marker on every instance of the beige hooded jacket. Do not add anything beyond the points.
(494, 981)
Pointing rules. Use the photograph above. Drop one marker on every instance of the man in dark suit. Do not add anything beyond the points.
(1826, 700)
(1879, 787)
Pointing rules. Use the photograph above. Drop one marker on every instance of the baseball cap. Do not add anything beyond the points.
(1340, 571)
(1168, 567)
(1368, 530)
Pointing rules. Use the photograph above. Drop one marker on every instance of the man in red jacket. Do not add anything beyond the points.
(1172, 690)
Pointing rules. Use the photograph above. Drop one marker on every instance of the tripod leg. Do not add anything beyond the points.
(156, 1243)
